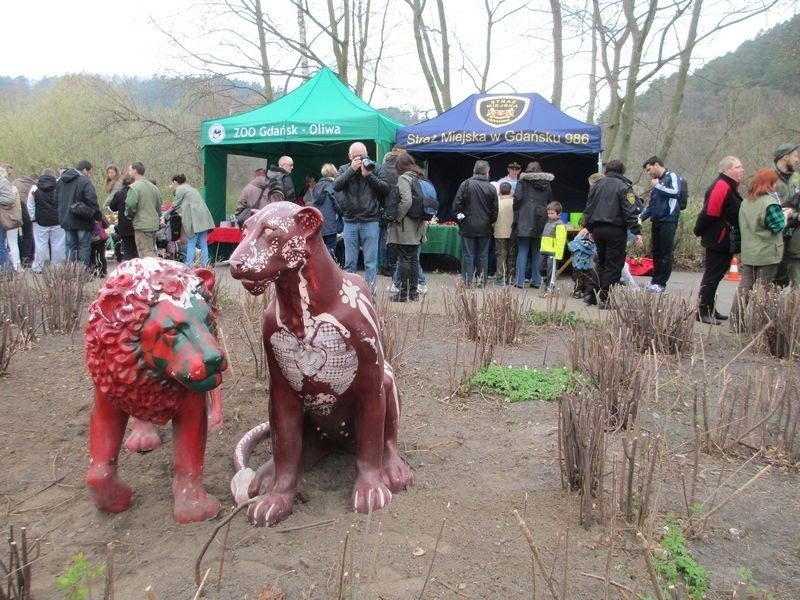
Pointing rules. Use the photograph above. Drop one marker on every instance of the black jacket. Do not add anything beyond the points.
(613, 202)
(74, 186)
(720, 214)
(44, 198)
(287, 185)
(360, 198)
(477, 199)
(324, 198)
(531, 197)
(124, 224)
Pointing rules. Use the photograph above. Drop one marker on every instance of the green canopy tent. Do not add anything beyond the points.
(314, 124)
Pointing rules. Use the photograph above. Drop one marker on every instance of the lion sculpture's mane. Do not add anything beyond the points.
(113, 345)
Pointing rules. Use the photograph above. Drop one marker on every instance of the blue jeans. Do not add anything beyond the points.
(79, 245)
(474, 258)
(420, 274)
(529, 246)
(5, 261)
(364, 236)
(200, 239)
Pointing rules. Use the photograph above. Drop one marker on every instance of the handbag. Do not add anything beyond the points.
(99, 233)
(81, 210)
(11, 218)
(248, 212)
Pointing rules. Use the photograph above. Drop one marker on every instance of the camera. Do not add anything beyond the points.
(367, 163)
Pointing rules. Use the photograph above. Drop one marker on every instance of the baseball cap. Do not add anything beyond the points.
(784, 149)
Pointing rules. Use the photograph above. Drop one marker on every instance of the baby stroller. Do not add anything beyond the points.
(168, 239)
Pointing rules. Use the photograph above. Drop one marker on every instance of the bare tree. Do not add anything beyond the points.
(558, 53)
(435, 65)
(639, 43)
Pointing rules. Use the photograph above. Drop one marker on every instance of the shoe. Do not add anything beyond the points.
(393, 289)
(397, 298)
(707, 319)
(720, 317)
(536, 286)
(500, 283)
(522, 287)
(422, 288)
(655, 288)
(589, 298)
(603, 305)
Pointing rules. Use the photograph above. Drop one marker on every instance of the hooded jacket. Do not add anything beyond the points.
(74, 186)
(287, 185)
(531, 197)
(324, 199)
(44, 202)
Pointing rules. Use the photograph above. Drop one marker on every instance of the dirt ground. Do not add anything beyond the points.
(454, 535)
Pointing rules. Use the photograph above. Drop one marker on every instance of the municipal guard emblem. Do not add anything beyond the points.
(500, 111)
(631, 198)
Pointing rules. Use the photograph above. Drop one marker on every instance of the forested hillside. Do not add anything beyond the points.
(743, 103)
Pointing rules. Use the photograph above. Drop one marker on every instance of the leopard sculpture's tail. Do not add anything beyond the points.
(241, 457)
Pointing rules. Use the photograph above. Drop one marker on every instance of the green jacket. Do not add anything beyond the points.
(760, 246)
(143, 205)
(195, 216)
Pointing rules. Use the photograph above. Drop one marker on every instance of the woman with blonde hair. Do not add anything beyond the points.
(324, 199)
(761, 223)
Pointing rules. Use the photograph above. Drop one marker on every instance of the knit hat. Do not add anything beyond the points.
(784, 149)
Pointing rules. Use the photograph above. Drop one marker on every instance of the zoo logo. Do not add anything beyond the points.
(216, 133)
(499, 111)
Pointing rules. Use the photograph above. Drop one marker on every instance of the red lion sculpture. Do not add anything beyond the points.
(152, 352)
(331, 388)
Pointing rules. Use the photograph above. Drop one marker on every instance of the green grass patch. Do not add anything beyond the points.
(555, 318)
(519, 384)
(675, 563)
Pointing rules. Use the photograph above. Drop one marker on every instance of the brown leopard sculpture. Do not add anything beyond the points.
(331, 388)
(152, 351)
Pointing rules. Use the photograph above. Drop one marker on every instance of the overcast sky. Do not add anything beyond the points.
(116, 37)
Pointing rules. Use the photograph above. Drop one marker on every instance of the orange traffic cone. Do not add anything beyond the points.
(733, 272)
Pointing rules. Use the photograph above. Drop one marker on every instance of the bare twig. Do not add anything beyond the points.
(535, 551)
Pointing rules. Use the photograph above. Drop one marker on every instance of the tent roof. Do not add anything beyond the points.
(521, 123)
(323, 109)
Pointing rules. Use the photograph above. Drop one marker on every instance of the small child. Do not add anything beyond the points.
(584, 274)
(504, 244)
(554, 240)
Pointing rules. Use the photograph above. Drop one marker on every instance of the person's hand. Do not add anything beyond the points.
(355, 164)
(460, 217)
(639, 241)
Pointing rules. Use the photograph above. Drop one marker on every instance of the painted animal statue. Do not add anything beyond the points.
(330, 386)
(153, 354)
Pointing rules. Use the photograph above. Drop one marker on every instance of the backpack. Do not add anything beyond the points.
(389, 213)
(683, 191)
(424, 203)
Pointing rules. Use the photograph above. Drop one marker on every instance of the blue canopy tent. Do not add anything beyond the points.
(501, 129)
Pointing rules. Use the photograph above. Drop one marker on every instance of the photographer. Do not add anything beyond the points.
(361, 188)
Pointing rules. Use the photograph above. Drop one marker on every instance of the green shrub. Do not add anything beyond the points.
(675, 563)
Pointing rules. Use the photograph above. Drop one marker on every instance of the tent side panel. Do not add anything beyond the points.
(215, 174)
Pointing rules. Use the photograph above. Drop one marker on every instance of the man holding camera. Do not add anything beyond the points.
(361, 188)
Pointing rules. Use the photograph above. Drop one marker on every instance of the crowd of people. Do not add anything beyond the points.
(54, 217)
